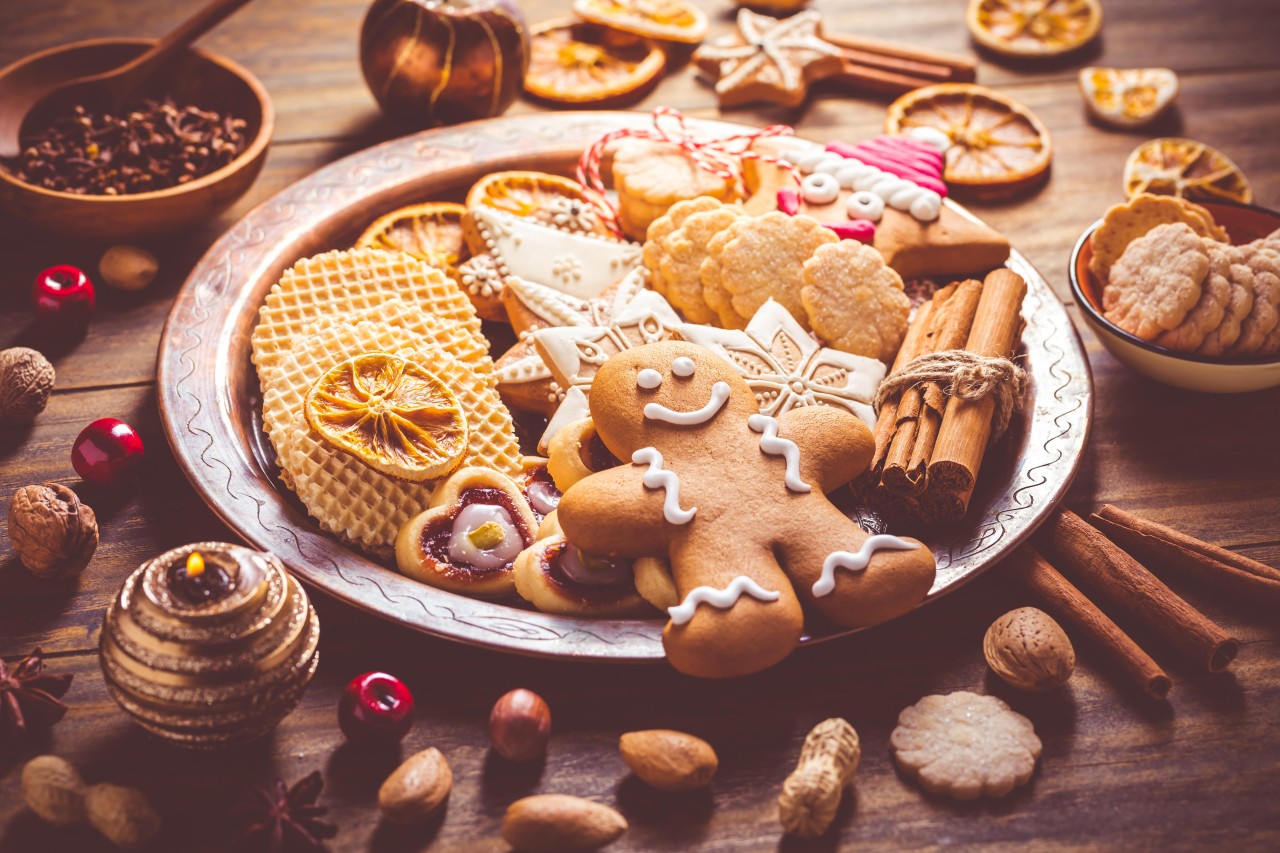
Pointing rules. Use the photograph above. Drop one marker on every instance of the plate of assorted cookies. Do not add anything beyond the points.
(613, 386)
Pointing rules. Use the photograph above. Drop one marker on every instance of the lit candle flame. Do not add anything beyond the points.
(195, 564)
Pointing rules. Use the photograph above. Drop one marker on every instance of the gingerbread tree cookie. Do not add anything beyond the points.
(737, 501)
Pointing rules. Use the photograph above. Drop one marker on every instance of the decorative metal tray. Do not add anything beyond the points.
(210, 401)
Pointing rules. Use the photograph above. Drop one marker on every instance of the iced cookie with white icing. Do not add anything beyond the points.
(468, 540)
(736, 500)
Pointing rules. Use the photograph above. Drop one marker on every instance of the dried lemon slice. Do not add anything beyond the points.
(1029, 28)
(1128, 97)
(1184, 168)
(571, 62)
(430, 232)
(669, 20)
(392, 414)
(998, 146)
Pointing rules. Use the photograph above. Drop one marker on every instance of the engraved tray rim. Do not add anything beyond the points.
(206, 391)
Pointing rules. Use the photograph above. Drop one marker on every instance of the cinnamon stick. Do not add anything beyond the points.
(1070, 605)
(1127, 586)
(867, 78)
(1163, 546)
(922, 405)
(962, 68)
(966, 425)
(887, 417)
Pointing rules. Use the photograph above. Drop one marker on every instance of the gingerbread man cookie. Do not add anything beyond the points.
(737, 501)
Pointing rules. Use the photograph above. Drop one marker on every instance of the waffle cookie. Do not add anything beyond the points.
(345, 496)
(341, 284)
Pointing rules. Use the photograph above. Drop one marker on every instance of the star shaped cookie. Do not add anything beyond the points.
(769, 59)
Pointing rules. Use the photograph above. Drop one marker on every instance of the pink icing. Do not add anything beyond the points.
(862, 230)
(899, 156)
(789, 201)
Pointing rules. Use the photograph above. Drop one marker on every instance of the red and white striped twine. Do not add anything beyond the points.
(721, 156)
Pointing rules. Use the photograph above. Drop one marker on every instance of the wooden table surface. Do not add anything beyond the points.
(1197, 772)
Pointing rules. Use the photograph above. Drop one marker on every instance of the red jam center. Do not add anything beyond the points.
(435, 539)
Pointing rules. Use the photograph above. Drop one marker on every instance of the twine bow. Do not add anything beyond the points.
(721, 156)
(967, 376)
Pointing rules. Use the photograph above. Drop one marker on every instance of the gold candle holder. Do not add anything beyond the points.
(209, 649)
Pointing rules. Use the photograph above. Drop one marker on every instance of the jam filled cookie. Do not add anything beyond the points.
(468, 541)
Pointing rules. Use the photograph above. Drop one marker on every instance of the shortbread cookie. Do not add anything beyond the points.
(469, 538)
(1260, 328)
(339, 284)
(737, 501)
(1240, 302)
(965, 746)
(655, 249)
(1126, 222)
(1157, 280)
(687, 248)
(762, 258)
(575, 453)
(345, 496)
(650, 176)
(714, 295)
(1210, 310)
(854, 301)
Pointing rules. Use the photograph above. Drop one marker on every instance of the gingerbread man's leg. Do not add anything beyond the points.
(853, 579)
(738, 612)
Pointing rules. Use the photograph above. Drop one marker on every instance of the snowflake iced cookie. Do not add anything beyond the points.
(760, 258)
(854, 301)
(965, 746)
(1157, 281)
(737, 501)
(650, 176)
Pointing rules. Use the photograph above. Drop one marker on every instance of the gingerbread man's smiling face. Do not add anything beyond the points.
(670, 387)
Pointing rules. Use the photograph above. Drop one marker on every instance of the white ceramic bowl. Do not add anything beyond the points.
(1244, 223)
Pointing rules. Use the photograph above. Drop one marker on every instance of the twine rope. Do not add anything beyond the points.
(967, 376)
(721, 156)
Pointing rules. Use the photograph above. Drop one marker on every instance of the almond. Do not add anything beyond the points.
(123, 815)
(669, 760)
(417, 788)
(54, 790)
(558, 823)
(1027, 649)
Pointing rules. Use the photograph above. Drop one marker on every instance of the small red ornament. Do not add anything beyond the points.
(377, 707)
(63, 296)
(107, 453)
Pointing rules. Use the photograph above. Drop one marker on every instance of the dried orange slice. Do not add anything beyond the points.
(667, 20)
(1128, 97)
(1031, 28)
(572, 62)
(430, 232)
(1184, 168)
(390, 413)
(528, 194)
(998, 146)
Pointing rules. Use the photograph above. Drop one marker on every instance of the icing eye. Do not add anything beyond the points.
(820, 187)
(865, 205)
(650, 378)
(682, 366)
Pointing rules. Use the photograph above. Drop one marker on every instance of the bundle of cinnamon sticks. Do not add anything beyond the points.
(1101, 556)
(929, 446)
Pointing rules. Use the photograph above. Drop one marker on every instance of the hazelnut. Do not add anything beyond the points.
(26, 379)
(1029, 650)
(520, 726)
(128, 267)
(51, 531)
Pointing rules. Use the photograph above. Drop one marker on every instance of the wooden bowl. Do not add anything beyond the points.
(1217, 375)
(196, 77)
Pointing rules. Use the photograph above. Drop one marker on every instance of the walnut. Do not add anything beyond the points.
(26, 378)
(52, 532)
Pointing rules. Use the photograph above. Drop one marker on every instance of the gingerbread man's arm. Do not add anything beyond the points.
(613, 514)
(835, 446)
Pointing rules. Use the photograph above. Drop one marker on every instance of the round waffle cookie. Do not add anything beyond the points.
(342, 284)
(347, 497)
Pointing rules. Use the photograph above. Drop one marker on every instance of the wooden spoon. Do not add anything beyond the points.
(35, 101)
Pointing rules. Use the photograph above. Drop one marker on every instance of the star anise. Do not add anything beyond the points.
(29, 698)
(284, 818)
